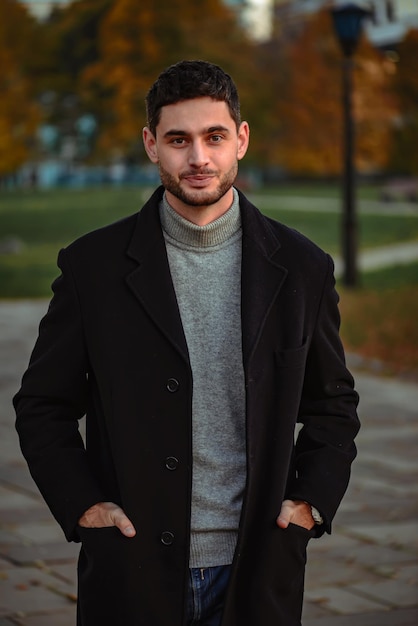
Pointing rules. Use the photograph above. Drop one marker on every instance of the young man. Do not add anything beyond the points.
(194, 336)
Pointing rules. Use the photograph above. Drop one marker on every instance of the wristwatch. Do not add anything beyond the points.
(317, 517)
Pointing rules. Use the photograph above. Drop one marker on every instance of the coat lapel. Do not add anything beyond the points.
(151, 281)
(262, 275)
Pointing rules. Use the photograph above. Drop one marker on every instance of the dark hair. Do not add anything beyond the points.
(186, 80)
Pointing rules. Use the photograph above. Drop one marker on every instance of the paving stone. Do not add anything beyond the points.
(40, 532)
(7, 536)
(396, 489)
(66, 571)
(393, 463)
(16, 473)
(12, 499)
(408, 573)
(402, 534)
(375, 556)
(400, 591)
(402, 617)
(330, 542)
(344, 601)
(49, 553)
(25, 590)
(379, 399)
(61, 618)
(338, 572)
(37, 511)
(313, 610)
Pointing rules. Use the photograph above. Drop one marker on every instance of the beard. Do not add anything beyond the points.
(198, 197)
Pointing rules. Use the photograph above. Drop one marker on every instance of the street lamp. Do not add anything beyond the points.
(347, 20)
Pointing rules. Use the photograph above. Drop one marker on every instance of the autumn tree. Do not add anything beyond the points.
(65, 44)
(405, 152)
(18, 113)
(137, 40)
(309, 109)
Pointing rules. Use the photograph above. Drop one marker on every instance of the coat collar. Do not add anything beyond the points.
(262, 275)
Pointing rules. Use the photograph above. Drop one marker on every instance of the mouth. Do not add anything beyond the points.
(198, 180)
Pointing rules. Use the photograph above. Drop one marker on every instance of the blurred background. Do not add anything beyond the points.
(73, 79)
(75, 74)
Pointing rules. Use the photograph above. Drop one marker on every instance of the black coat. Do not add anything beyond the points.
(112, 346)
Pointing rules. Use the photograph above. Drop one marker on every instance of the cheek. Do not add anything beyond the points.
(171, 160)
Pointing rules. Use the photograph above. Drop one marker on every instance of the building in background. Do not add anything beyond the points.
(254, 15)
(388, 24)
(42, 8)
(390, 21)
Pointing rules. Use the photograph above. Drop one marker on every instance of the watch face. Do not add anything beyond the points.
(316, 515)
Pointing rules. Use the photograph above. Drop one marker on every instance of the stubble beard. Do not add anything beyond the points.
(200, 197)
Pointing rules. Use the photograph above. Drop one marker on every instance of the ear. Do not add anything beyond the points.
(243, 140)
(150, 144)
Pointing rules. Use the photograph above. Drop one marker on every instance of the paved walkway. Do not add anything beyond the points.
(364, 574)
(375, 258)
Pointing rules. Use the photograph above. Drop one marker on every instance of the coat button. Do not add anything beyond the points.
(167, 538)
(172, 385)
(171, 463)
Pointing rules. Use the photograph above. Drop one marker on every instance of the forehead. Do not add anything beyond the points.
(195, 115)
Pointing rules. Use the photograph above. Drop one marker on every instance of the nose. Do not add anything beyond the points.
(198, 154)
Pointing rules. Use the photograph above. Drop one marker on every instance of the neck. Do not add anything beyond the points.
(201, 215)
(186, 233)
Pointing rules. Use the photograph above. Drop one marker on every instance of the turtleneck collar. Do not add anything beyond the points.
(189, 234)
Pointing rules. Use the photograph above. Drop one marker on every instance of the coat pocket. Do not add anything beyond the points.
(277, 589)
(296, 357)
(106, 576)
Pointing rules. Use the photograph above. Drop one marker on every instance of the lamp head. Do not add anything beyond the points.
(348, 20)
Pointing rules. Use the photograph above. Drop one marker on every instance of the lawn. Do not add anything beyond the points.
(38, 224)
(379, 318)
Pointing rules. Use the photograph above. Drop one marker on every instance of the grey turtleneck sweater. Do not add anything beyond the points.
(205, 265)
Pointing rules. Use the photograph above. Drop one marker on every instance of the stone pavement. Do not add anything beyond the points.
(364, 574)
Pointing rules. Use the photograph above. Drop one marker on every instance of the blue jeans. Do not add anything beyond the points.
(206, 593)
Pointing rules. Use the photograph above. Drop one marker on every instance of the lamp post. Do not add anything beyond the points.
(347, 20)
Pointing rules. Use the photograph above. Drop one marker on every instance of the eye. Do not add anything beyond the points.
(216, 138)
(178, 141)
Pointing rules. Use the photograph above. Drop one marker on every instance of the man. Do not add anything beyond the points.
(194, 336)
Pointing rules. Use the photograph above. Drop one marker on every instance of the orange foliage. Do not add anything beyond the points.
(405, 152)
(391, 338)
(18, 114)
(136, 41)
(312, 104)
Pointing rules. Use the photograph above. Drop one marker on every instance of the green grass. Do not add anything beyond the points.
(389, 278)
(45, 221)
(60, 216)
(379, 318)
(325, 228)
(319, 189)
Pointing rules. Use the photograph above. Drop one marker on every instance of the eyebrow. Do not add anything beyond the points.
(182, 133)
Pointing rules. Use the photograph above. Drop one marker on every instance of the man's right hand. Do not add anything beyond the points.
(105, 514)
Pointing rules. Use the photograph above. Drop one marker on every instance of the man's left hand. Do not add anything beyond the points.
(295, 512)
